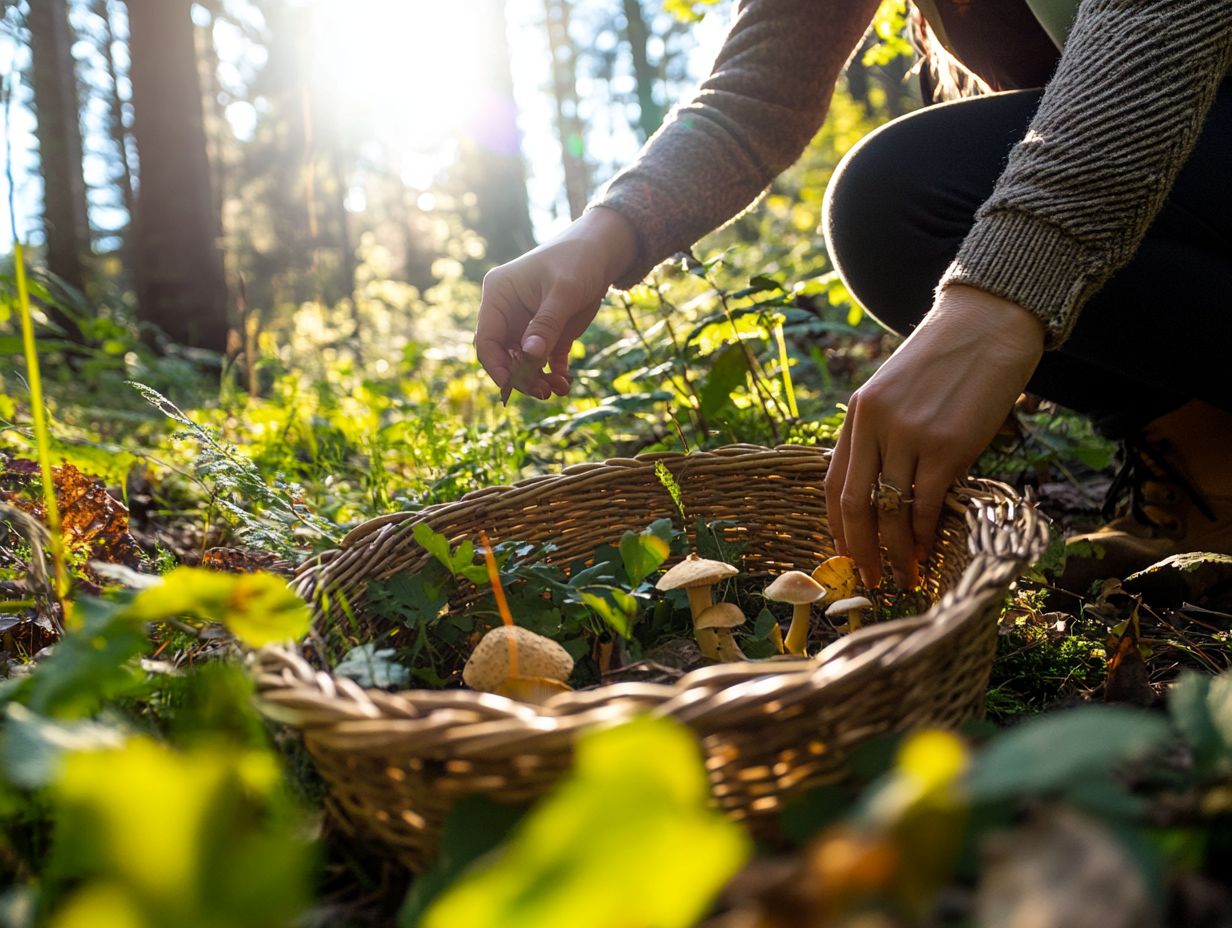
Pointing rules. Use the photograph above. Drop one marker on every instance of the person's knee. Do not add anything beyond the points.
(869, 237)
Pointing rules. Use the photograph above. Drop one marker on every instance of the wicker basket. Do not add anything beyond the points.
(397, 762)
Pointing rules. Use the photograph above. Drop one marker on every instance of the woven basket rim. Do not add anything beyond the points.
(1005, 534)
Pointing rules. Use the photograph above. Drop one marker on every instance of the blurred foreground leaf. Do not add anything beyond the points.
(259, 609)
(629, 839)
(152, 836)
(1054, 752)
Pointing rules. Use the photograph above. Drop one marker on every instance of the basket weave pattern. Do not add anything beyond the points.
(397, 762)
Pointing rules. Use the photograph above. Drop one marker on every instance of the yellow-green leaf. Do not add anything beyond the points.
(257, 608)
(628, 840)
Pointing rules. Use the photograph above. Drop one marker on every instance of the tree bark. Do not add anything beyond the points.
(637, 34)
(493, 149)
(65, 217)
(117, 129)
(569, 127)
(181, 287)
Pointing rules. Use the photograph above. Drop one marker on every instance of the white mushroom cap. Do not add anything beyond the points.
(488, 666)
(848, 605)
(795, 587)
(695, 571)
(722, 615)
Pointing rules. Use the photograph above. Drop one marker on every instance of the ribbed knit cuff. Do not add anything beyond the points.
(1030, 262)
(652, 222)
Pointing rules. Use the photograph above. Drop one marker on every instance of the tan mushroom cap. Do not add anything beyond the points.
(695, 571)
(488, 666)
(721, 615)
(848, 605)
(795, 587)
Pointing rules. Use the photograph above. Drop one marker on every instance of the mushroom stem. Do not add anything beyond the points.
(699, 600)
(707, 640)
(797, 633)
(709, 643)
(728, 650)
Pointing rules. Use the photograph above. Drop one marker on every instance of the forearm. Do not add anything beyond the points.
(762, 104)
(1114, 127)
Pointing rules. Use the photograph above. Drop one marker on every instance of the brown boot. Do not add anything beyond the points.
(1178, 477)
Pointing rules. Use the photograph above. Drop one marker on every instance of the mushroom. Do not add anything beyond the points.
(801, 590)
(696, 575)
(515, 662)
(838, 575)
(719, 620)
(851, 607)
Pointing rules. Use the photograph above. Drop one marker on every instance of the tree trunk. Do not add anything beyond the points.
(569, 128)
(181, 287)
(494, 146)
(65, 218)
(637, 34)
(116, 127)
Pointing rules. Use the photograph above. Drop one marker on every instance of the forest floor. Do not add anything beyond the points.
(287, 456)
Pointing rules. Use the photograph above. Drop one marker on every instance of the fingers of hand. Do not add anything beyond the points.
(894, 523)
(854, 503)
(835, 473)
(931, 485)
(502, 319)
(546, 330)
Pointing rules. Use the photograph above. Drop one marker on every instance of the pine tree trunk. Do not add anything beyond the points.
(181, 287)
(637, 34)
(65, 219)
(494, 148)
(569, 127)
(116, 127)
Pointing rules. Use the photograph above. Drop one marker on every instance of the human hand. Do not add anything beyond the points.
(922, 420)
(536, 305)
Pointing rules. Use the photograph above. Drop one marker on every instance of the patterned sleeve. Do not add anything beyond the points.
(1115, 124)
(763, 102)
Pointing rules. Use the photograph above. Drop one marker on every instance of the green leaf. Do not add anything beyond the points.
(474, 827)
(628, 839)
(414, 599)
(257, 608)
(204, 837)
(760, 283)
(32, 745)
(90, 664)
(642, 554)
(1201, 710)
(368, 666)
(1049, 753)
(434, 543)
(615, 607)
(727, 372)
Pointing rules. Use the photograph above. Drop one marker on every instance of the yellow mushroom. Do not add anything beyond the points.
(838, 575)
(719, 620)
(801, 590)
(696, 575)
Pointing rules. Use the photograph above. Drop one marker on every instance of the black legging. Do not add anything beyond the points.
(1158, 334)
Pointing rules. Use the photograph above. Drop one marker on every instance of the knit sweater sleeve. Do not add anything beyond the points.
(1114, 126)
(764, 100)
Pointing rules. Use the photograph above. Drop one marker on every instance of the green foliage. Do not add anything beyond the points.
(890, 27)
(629, 839)
(148, 836)
(688, 11)
(1201, 709)
(257, 608)
(239, 484)
(574, 603)
(1065, 750)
